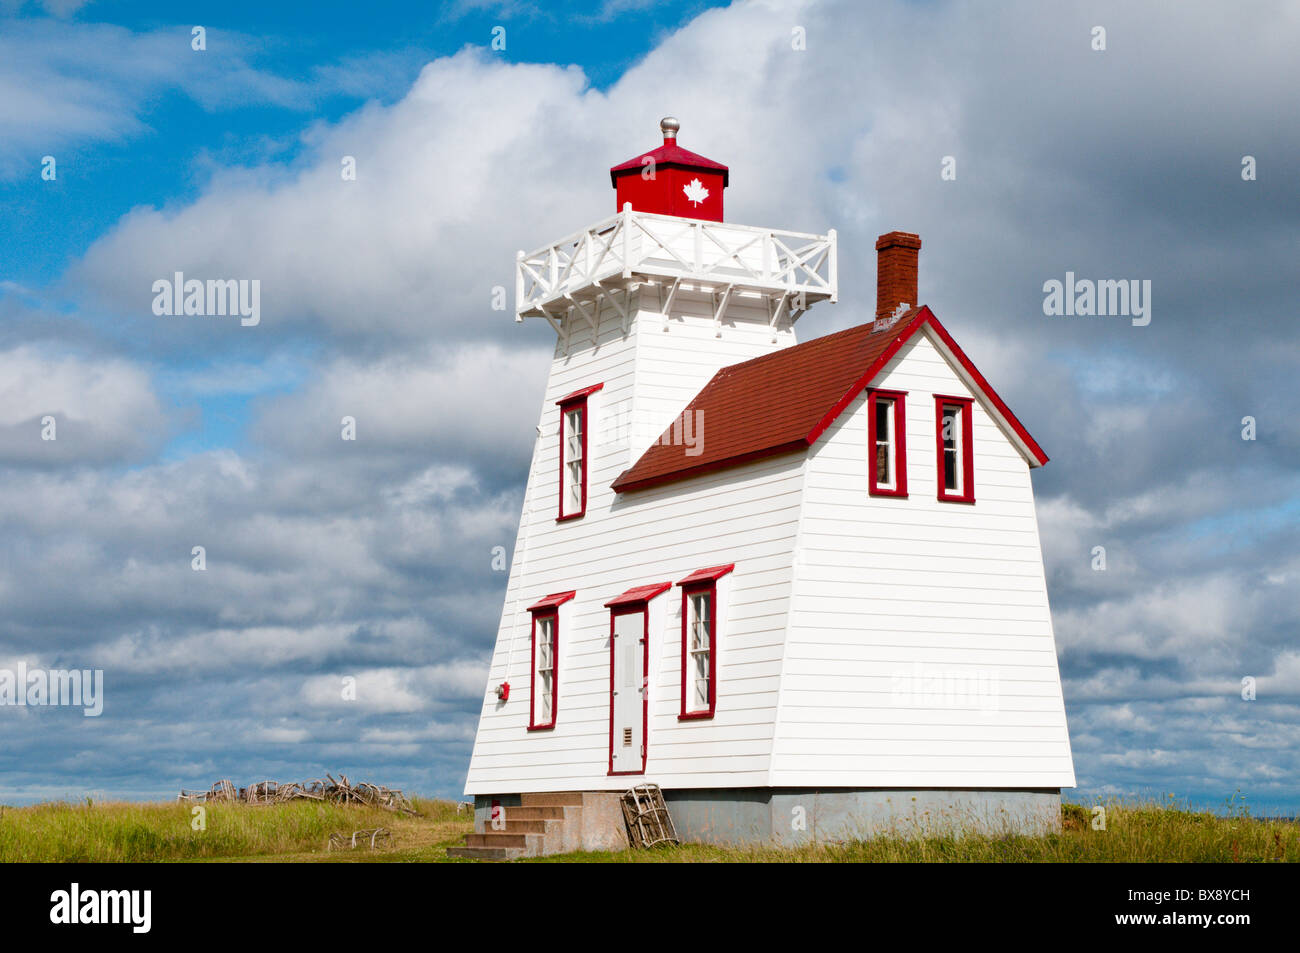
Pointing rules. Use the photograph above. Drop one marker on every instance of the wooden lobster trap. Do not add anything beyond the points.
(647, 818)
(377, 837)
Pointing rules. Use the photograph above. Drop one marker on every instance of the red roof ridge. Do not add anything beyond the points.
(783, 401)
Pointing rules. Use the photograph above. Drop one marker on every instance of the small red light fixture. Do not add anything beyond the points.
(503, 691)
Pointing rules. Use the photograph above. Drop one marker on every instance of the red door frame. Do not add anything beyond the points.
(629, 609)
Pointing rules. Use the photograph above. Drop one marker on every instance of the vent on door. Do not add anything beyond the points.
(627, 737)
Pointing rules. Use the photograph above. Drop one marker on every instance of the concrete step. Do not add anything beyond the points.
(545, 812)
(486, 853)
(551, 799)
(517, 825)
(499, 839)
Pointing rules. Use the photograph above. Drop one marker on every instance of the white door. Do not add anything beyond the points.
(627, 701)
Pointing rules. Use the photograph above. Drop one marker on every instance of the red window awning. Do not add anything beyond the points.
(707, 575)
(553, 600)
(581, 393)
(638, 594)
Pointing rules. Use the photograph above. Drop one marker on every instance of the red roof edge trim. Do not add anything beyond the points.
(711, 574)
(988, 391)
(638, 594)
(926, 316)
(552, 601)
(618, 486)
(581, 393)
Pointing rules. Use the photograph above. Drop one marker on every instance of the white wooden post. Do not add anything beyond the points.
(519, 284)
(832, 267)
(627, 239)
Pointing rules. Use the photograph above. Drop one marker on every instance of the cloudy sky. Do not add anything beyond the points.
(373, 558)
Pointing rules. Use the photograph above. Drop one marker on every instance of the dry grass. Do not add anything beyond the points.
(298, 832)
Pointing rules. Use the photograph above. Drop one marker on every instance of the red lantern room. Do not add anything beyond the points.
(671, 181)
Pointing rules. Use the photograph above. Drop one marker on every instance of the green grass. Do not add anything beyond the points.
(299, 832)
(1135, 833)
(124, 831)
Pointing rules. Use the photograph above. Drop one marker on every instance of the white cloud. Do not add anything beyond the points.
(104, 409)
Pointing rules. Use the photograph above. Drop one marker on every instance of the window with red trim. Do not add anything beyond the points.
(699, 684)
(699, 696)
(545, 681)
(887, 442)
(954, 448)
(574, 452)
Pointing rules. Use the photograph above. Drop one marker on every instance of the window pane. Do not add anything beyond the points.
(951, 421)
(884, 438)
(701, 608)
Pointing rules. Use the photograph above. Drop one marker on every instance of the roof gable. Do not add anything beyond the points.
(783, 401)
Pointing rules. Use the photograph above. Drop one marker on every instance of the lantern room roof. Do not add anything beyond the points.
(670, 155)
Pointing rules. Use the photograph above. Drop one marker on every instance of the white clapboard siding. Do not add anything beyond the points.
(747, 515)
(862, 641)
(920, 648)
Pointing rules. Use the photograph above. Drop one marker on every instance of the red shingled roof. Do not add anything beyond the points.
(783, 401)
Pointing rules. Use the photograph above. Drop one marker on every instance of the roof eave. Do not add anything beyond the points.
(621, 485)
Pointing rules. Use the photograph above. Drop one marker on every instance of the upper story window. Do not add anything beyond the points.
(700, 599)
(574, 452)
(887, 442)
(953, 444)
(544, 691)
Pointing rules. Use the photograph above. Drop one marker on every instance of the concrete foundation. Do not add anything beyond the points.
(789, 817)
(792, 816)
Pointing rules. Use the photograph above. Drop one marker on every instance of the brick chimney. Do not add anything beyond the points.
(896, 257)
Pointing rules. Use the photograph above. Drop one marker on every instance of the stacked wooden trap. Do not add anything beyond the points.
(328, 791)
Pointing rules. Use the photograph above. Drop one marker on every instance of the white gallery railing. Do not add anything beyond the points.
(639, 243)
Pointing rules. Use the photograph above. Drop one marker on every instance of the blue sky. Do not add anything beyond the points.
(174, 432)
(179, 139)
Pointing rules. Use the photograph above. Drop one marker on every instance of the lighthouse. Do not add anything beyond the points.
(764, 575)
(668, 291)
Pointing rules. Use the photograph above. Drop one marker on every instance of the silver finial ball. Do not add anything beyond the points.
(669, 126)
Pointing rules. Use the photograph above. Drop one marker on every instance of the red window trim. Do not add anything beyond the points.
(566, 404)
(899, 398)
(551, 612)
(967, 494)
(702, 580)
(630, 608)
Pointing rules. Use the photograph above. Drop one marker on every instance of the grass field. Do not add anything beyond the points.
(299, 832)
